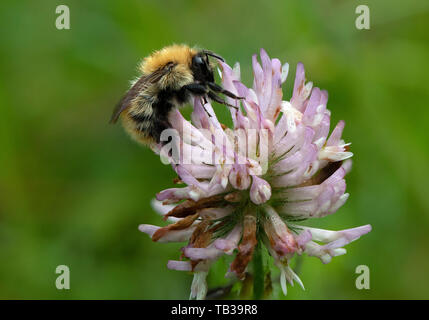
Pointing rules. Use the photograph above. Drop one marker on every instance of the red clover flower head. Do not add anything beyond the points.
(249, 186)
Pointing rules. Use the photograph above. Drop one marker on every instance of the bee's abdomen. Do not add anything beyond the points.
(151, 127)
(147, 127)
(146, 124)
(142, 118)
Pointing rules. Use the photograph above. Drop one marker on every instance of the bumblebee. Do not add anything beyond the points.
(170, 77)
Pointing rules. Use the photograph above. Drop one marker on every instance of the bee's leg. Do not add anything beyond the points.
(218, 99)
(204, 107)
(217, 88)
(196, 88)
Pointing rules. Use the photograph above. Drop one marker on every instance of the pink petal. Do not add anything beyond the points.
(260, 191)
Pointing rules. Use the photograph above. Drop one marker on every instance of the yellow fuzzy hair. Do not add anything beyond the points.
(178, 53)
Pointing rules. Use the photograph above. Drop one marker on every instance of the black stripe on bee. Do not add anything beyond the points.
(141, 117)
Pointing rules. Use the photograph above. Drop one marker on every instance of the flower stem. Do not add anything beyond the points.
(258, 273)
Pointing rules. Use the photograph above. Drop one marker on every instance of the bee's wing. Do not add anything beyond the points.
(142, 83)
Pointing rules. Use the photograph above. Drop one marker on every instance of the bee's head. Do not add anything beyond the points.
(201, 67)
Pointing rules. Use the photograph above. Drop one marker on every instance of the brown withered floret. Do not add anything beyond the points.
(190, 207)
(179, 225)
(233, 197)
(200, 238)
(246, 247)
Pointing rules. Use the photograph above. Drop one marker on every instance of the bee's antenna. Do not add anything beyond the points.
(214, 55)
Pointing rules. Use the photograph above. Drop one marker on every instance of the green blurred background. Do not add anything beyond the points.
(73, 189)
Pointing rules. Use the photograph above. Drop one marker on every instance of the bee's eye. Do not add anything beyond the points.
(198, 60)
(201, 69)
